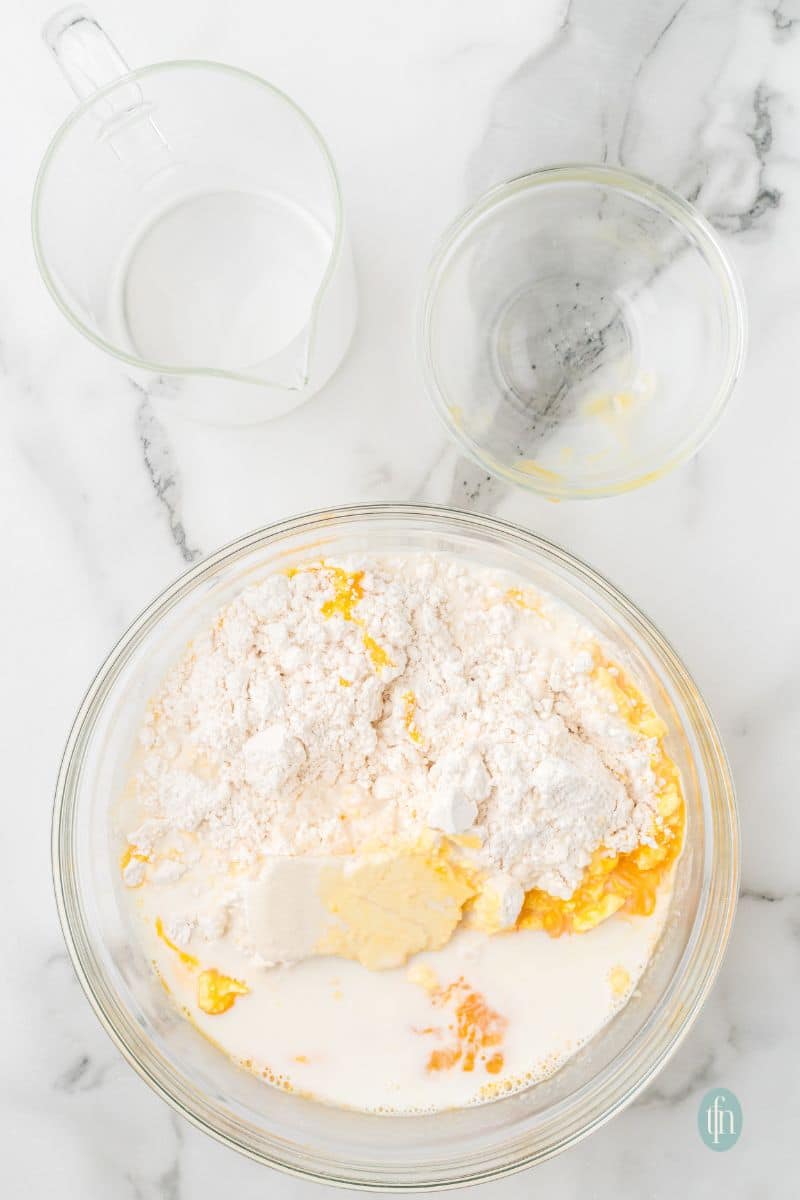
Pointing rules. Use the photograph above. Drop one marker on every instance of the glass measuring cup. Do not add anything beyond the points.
(187, 218)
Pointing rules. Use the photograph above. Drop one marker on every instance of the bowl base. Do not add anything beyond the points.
(555, 345)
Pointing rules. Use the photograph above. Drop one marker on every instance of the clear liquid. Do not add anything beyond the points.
(224, 280)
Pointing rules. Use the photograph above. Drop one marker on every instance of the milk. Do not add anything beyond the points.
(223, 280)
(364, 1039)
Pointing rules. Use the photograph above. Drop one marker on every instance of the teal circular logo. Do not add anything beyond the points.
(719, 1119)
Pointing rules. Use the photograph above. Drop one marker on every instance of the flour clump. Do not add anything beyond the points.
(362, 702)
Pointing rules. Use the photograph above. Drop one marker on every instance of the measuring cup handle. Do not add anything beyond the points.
(83, 51)
(91, 62)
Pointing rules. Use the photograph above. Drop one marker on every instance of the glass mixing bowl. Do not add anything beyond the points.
(301, 1135)
(581, 331)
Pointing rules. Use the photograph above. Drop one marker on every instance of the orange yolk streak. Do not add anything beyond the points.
(130, 855)
(188, 960)
(347, 593)
(475, 1029)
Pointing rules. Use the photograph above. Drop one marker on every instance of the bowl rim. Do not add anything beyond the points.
(625, 1075)
(642, 188)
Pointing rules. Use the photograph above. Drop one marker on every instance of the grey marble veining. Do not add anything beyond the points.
(163, 472)
(107, 496)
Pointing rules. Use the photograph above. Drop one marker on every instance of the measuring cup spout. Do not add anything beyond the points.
(289, 367)
(325, 321)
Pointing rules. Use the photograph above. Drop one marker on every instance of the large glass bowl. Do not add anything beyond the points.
(301, 1135)
(581, 331)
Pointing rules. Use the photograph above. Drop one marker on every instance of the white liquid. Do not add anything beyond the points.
(363, 1039)
(224, 280)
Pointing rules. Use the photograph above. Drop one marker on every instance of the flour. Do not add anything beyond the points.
(432, 694)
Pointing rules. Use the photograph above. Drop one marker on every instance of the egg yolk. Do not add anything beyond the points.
(620, 882)
(216, 993)
(474, 1033)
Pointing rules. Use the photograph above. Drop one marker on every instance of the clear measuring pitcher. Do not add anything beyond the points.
(188, 219)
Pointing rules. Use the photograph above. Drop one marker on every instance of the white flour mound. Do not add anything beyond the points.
(280, 732)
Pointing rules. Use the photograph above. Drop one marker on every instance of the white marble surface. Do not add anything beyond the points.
(105, 500)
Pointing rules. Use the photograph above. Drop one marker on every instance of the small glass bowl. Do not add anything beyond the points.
(288, 1130)
(581, 331)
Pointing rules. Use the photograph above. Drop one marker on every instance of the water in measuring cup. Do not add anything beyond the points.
(223, 280)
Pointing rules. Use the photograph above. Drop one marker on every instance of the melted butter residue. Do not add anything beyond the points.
(529, 466)
(610, 407)
(347, 594)
(188, 960)
(620, 882)
(473, 1034)
(216, 993)
(409, 712)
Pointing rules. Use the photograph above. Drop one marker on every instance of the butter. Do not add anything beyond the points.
(377, 908)
(285, 912)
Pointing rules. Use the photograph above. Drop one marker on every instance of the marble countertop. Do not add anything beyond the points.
(106, 499)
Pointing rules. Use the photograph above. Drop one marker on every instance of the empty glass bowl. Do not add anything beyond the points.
(290, 1130)
(581, 331)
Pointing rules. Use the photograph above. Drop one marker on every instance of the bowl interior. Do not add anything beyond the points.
(288, 1130)
(581, 331)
